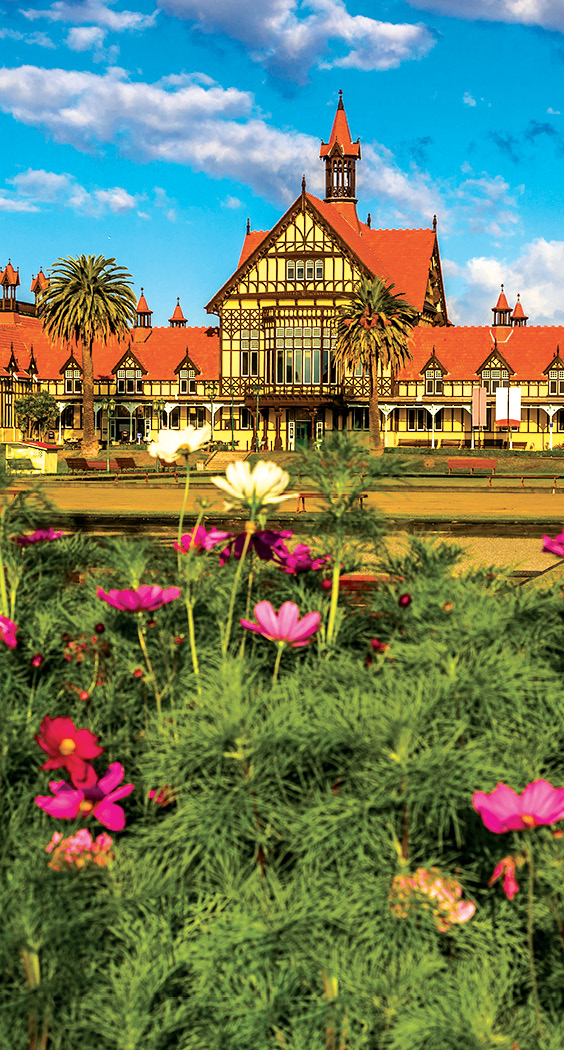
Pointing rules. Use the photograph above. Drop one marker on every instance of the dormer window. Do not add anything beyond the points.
(494, 377)
(73, 381)
(434, 381)
(129, 381)
(187, 381)
(556, 381)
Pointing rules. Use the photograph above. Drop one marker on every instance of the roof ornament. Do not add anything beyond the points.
(303, 193)
(369, 221)
(341, 105)
(434, 223)
(248, 227)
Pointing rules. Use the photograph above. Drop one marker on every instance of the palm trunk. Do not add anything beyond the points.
(90, 444)
(373, 409)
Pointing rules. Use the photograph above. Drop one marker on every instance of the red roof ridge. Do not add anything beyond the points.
(142, 307)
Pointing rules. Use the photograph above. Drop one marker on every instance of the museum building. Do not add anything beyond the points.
(263, 373)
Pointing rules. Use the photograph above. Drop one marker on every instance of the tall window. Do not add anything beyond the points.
(360, 419)
(434, 381)
(129, 381)
(556, 381)
(303, 356)
(249, 352)
(420, 419)
(494, 377)
(73, 381)
(187, 381)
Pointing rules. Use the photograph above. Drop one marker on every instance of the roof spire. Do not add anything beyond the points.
(143, 313)
(340, 106)
(248, 227)
(501, 312)
(434, 223)
(369, 221)
(340, 155)
(178, 319)
(519, 318)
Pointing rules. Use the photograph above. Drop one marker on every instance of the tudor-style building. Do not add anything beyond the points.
(266, 376)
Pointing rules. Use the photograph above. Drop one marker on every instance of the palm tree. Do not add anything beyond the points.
(87, 298)
(374, 328)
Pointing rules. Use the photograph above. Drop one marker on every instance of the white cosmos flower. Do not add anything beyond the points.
(172, 444)
(254, 488)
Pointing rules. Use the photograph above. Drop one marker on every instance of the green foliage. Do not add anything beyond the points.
(254, 910)
(37, 412)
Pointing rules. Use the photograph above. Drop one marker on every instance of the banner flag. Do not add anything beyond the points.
(508, 406)
(479, 406)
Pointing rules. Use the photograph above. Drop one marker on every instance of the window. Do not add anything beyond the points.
(556, 381)
(67, 421)
(299, 271)
(319, 269)
(73, 381)
(246, 419)
(290, 270)
(129, 381)
(309, 270)
(303, 355)
(187, 381)
(360, 419)
(420, 419)
(249, 352)
(434, 381)
(494, 377)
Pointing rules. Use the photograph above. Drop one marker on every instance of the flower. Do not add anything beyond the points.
(404, 600)
(430, 889)
(286, 627)
(503, 810)
(201, 540)
(256, 488)
(299, 560)
(8, 630)
(171, 444)
(69, 748)
(555, 546)
(79, 850)
(378, 646)
(98, 799)
(143, 599)
(510, 886)
(37, 660)
(268, 544)
(164, 797)
(39, 536)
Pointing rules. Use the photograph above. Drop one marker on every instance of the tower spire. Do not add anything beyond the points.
(340, 155)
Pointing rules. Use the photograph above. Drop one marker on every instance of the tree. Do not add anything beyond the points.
(36, 412)
(374, 329)
(87, 298)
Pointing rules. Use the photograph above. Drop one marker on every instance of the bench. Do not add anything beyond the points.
(125, 463)
(467, 463)
(415, 442)
(526, 477)
(302, 496)
(76, 463)
(89, 465)
(450, 442)
(521, 445)
(16, 464)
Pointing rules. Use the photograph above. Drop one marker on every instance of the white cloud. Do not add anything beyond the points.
(468, 100)
(288, 41)
(486, 205)
(231, 202)
(398, 196)
(85, 38)
(37, 39)
(35, 187)
(537, 275)
(93, 12)
(555, 112)
(546, 13)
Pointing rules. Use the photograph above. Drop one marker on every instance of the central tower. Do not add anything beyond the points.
(340, 155)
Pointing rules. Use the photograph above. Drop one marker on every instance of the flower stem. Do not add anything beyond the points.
(250, 527)
(281, 647)
(188, 596)
(184, 501)
(532, 969)
(334, 593)
(3, 591)
(145, 651)
(247, 606)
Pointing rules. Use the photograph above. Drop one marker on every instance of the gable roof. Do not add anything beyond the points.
(159, 354)
(527, 350)
(400, 256)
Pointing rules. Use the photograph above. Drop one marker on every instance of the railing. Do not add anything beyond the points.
(354, 387)
(13, 306)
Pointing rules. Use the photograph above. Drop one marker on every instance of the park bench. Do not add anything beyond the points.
(125, 463)
(467, 463)
(553, 479)
(517, 446)
(76, 463)
(450, 442)
(22, 463)
(415, 442)
(302, 496)
(89, 465)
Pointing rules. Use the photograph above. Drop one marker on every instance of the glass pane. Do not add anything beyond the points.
(307, 366)
(316, 366)
(297, 366)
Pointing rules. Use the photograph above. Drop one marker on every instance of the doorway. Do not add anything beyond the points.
(303, 433)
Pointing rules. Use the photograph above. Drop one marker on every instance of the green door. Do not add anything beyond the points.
(303, 433)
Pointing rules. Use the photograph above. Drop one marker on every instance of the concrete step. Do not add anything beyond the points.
(220, 460)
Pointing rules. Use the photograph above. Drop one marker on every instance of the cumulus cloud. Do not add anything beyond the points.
(37, 39)
(85, 38)
(36, 187)
(549, 14)
(92, 13)
(487, 205)
(537, 275)
(288, 37)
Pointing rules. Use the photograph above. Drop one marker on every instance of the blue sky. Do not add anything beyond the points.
(149, 131)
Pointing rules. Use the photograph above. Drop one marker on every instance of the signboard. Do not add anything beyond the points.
(508, 406)
(479, 406)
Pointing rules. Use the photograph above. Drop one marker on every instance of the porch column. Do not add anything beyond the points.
(61, 406)
(433, 409)
(278, 423)
(551, 411)
(266, 418)
(386, 410)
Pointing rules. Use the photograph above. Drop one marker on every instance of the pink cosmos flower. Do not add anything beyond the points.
(79, 849)
(430, 889)
(69, 748)
(285, 626)
(268, 545)
(39, 536)
(555, 546)
(201, 540)
(503, 810)
(98, 799)
(143, 599)
(510, 885)
(300, 560)
(8, 631)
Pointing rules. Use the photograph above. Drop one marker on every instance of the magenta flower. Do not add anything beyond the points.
(39, 536)
(300, 560)
(510, 885)
(268, 545)
(286, 626)
(404, 600)
(8, 631)
(79, 849)
(201, 540)
(503, 810)
(98, 799)
(69, 748)
(428, 888)
(143, 599)
(555, 546)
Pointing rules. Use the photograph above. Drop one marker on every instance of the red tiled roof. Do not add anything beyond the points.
(340, 133)
(502, 303)
(252, 241)
(177, 314)
(142, 307)
(527, 350)
(10, 276)
(518, 311)
(39, 283)
(160, 353)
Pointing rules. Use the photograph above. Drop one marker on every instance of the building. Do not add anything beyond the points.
(265, 377)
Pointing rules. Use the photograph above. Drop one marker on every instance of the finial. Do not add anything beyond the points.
(518, 297)
(248, 226)
(340, 106)
(178, 300)
(502, 287)
(303, 184)
(434, 223)
(141, 289)
(369, 221)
